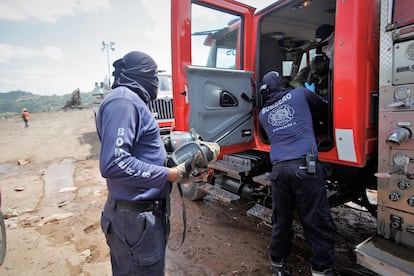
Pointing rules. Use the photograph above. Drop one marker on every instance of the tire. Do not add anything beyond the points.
(3, 246)
(192, 192)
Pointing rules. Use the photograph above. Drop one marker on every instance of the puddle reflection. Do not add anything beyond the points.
(58, 187)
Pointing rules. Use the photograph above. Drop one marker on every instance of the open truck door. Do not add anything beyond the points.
(212, 76)
(223, 110)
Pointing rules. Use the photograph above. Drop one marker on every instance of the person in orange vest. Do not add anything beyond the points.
(25, 117)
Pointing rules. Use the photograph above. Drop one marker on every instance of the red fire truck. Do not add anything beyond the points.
(221, 49)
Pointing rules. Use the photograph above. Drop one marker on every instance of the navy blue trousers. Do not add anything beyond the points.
(295, 189)
(136, 241)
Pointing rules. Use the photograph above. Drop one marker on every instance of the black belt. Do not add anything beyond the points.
(138, 206)
(297, 161)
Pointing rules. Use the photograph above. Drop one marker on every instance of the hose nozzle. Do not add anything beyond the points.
(397, 136)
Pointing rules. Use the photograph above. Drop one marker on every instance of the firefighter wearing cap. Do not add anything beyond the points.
(132, 157)
(318, 76)
(324, 36)
(315, 76)
(296, 184)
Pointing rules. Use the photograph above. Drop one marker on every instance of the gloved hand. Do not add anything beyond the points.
(192, 159)
(198, 161)
(311, 86)
(184, 171)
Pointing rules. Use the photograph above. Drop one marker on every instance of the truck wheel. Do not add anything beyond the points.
(192, 191)
(3, 247)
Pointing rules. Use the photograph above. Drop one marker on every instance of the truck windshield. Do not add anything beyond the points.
(165, 82)
(215, 37)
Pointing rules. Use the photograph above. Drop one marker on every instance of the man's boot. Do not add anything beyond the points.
(280, 269)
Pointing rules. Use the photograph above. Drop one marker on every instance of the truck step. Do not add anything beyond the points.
(385, 257)
(261, 212)
(219, 193)
(263, 179)
(231, 169)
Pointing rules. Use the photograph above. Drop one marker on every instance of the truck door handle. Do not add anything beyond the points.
(227, 99)
(245, 97)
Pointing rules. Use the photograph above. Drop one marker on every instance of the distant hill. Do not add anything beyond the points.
(14, 101)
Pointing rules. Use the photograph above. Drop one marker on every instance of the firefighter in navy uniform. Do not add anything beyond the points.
(298, 179)
(132, 159)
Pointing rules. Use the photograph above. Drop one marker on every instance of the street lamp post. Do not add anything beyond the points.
(107, 46)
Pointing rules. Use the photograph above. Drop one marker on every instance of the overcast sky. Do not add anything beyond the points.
(52, 47)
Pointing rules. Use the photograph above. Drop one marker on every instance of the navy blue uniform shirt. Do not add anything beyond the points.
(287, 121)
(132, 152)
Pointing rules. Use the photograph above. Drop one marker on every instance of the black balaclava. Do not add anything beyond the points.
(323, 32)
(138, 72)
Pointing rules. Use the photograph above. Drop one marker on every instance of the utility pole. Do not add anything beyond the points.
(107, 46)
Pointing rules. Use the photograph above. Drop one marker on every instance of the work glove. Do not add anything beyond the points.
(184, 171)
(311, 86)
(209, 152)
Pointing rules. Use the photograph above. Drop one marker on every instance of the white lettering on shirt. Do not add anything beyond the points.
(129, 171)
(285, 98)
(119, 152)
(280, 113)
(119, 141)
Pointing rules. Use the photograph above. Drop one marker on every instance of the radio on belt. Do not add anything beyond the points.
(311, 162)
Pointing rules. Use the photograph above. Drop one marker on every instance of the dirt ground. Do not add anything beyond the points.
(52, 196)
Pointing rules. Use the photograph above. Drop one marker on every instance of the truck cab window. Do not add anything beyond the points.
(306, 58)
(313, 67)
(215, 38)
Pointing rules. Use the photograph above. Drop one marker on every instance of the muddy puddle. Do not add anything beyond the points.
(59, 188)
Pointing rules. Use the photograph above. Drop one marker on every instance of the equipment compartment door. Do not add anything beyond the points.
(220, 104)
